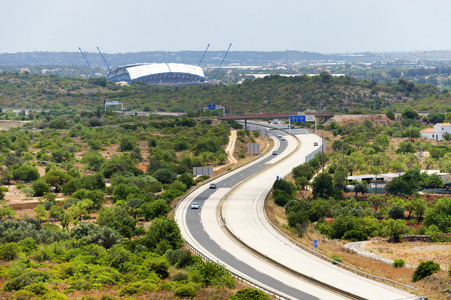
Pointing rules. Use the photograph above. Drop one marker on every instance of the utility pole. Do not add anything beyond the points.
(322, 150)
(343, 163)
(123, 145)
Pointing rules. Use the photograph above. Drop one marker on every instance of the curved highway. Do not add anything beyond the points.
(243, 212)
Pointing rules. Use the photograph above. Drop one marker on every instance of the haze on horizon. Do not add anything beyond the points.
(325, 26)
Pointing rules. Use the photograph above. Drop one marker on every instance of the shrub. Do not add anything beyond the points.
(107, 297)
(23, 295)
(398, 263)
(212, 274)
(336, 259)
(439, 237)
(130, 290)
(179, 276)
(9, 251)
(38, 288)
(54, 296)
(40, 187)
(185, 291)
(425, 269)
(249, 293)
(179, 258)
(354, 235)
(23, 280)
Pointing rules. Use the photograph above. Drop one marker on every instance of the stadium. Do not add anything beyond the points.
(160, 74)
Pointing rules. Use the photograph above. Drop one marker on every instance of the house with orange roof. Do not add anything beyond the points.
(436, 132)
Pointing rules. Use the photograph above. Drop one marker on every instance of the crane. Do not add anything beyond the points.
(87, 62)
(109, 69)
(222, 60)
(203, 55)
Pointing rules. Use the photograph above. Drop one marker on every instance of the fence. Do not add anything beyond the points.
(312, 155)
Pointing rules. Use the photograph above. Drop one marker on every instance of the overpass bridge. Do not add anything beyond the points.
(325, 115)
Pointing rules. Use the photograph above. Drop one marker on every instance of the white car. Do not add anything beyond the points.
(194, 205)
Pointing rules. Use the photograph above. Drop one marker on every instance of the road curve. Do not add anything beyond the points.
(244, 215)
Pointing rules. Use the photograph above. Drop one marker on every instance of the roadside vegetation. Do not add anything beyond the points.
(312, 204)
(103, 197)
(104, 184)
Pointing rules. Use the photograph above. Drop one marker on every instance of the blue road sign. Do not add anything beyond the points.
(297, 118)
(211, 106)
(315, 243)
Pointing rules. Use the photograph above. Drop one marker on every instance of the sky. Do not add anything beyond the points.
(324, 26)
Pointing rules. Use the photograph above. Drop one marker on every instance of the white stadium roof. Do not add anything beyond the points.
(161, 73)
(137, 71)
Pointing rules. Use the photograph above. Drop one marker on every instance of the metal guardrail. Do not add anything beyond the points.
(239, 277)
(206, 258)
(259, 287)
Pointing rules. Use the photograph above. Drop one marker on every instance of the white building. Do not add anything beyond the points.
(436, 133)
(389, 176)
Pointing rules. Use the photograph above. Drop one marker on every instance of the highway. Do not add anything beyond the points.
(239, 197)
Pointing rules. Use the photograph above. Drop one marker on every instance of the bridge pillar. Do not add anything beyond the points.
(245, 123)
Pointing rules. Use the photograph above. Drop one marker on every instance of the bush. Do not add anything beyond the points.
(354, 235)
(249, 293)
(9, 251)
(398, 263)
(54, 296)
(179, 258)
(180, 276)
(107, 297)
(23, 295)
(130, 290)
(425, 269)
(23, 280)
(439, 237)
(336, 259)
(40, 187)
(26, 173)
(185, 291)
(38, 288)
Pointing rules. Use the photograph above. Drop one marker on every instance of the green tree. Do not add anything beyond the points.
(283, 185)
(40, 187)
(41, 213)
(396, 212)
(158, 265)
(409, 113)
(433, 181)
(117, 218)
(390, 115)
(323, 187)
(395, 228)
(163, 231)
(56, 178)
(165, 176)
(419, 207)
(93, 160)
(26, 173)
(211, 274)
(122, 259)
(155, 209)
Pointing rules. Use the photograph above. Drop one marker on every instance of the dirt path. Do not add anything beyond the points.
(229, 150)
(231, 147)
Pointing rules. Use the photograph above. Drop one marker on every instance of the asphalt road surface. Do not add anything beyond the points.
(244, 215)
